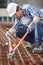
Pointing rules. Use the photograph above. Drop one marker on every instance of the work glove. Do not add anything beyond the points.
(31, 26)
(8, 35)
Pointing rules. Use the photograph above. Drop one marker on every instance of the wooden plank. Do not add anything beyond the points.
(23, 63)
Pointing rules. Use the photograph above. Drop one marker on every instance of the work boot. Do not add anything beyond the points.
(29, 46)
(11, 54)
(37, 50)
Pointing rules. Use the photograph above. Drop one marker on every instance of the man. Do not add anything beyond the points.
(27, 18)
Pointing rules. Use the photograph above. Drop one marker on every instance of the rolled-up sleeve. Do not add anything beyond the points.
(15, 23)
(31, 26)
(15, 26)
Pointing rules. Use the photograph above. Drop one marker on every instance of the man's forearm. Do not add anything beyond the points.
(31, 26)
(12, 31)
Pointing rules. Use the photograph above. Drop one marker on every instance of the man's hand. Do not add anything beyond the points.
(10, 32)
(36, 20)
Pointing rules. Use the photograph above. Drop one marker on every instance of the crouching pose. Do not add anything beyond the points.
(27, 18)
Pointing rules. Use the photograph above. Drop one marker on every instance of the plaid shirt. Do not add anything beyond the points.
(29, 12)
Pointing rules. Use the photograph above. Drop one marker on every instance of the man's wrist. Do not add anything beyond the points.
(36, 20)
(28, 30)
(8, 35)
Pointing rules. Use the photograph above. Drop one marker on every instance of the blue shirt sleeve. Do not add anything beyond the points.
(17, 22)
(34, 11)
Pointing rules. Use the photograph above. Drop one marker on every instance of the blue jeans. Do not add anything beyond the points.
(38, 33)
(30, 37)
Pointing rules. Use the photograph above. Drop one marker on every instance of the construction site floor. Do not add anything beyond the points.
(22, 56)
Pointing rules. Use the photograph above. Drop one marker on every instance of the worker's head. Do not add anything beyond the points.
(14, 10)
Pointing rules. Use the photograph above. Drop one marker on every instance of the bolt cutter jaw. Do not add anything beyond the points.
(11, 54)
